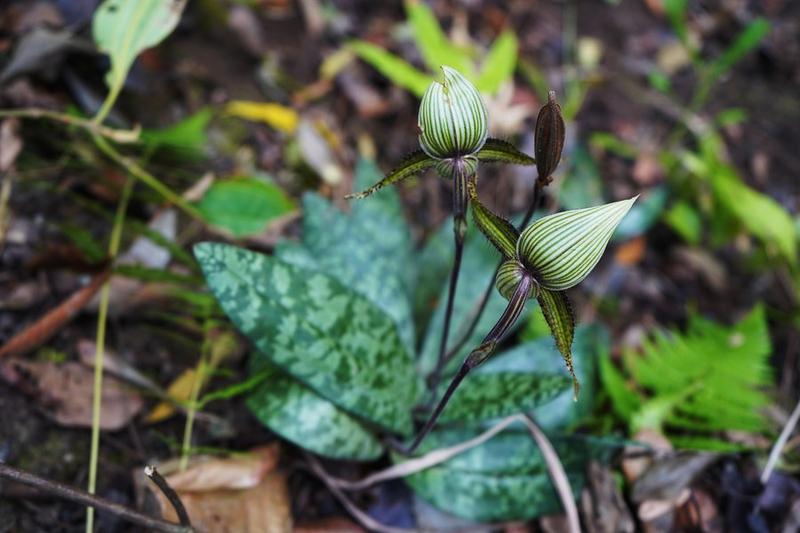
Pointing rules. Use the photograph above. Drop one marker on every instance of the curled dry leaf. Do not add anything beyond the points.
(64, 393)
(240, 493)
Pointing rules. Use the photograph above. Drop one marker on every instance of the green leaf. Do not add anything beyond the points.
(502, 151)
(185, 137)
(744, 43)
(500, 62)
(500, 232)
(322, 333)
(542, 356)
(686, 221)
(483, 397)
(503, 479)
(411, 165)
(760, 214)
(244, 206)
(435, 48)
(398, 71)
(368, 250)
(125, 28)
(562, 249)
(709, 379)
(308, 420)
(559, 315)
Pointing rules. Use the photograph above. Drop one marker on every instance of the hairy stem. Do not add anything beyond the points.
(436, 374)
(480, 354)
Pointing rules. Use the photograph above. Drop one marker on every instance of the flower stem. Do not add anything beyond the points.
(480, 354)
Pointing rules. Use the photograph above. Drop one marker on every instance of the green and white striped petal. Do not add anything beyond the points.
(453, 120)
(562, 249)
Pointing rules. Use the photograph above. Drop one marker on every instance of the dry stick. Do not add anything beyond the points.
(151, 472)
(363, 518)
(120, 136)
(76, 495)
(426, 461)
(777, 448)
(436, 374)
(557, 473)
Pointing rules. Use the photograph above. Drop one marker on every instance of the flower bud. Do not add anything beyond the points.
(508, 278)
(549, 137)
(452, 118)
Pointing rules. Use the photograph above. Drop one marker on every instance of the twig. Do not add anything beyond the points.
(363, 518)
(120, 136)
(777, 448)
(557, 474)
(151, 472)
(426, 461)
(76, 495)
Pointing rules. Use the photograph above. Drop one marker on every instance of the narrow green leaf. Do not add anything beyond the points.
(244, 206)
(559, 315)
(498, 67)
(744, 43)
(562, 249)
(433, 44)
(483, 397)
(502, 151)
(413, 164)
(187, 137)
(308, 420)
(500, 232)
(125, 28)
(319, 331)
(686, 221)
(397, 70)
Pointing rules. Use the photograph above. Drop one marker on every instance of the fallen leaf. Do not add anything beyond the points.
(278, 116)
(51, 323)
(317, 152)
(241, 493)
(64, 392)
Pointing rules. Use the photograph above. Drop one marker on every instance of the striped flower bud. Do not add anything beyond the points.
(452, 118)
(508, 278)
(561, 250)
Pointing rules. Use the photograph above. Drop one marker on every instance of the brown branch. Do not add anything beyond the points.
(169, 493)
(40, 331)
(76, 495)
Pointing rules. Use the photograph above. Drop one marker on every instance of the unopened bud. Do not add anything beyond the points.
(509, 277)
(549, 137)
(452, 118)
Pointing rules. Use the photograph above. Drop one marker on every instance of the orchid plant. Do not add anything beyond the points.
(551, 255)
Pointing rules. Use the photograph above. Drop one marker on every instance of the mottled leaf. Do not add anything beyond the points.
(316, 329)
(484, 397)
(503, 479)
(541, 355)
(368, 250)
(411, 165)
(558, 312)
(562, 249)
(308, 420)
(496, 150)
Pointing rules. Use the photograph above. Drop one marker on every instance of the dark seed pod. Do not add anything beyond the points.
(508, 278)
(549, 137)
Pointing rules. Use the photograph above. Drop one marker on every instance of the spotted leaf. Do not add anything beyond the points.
(317, 330)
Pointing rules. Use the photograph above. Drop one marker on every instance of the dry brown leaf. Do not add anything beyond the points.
(64, 392)
(243, 493)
